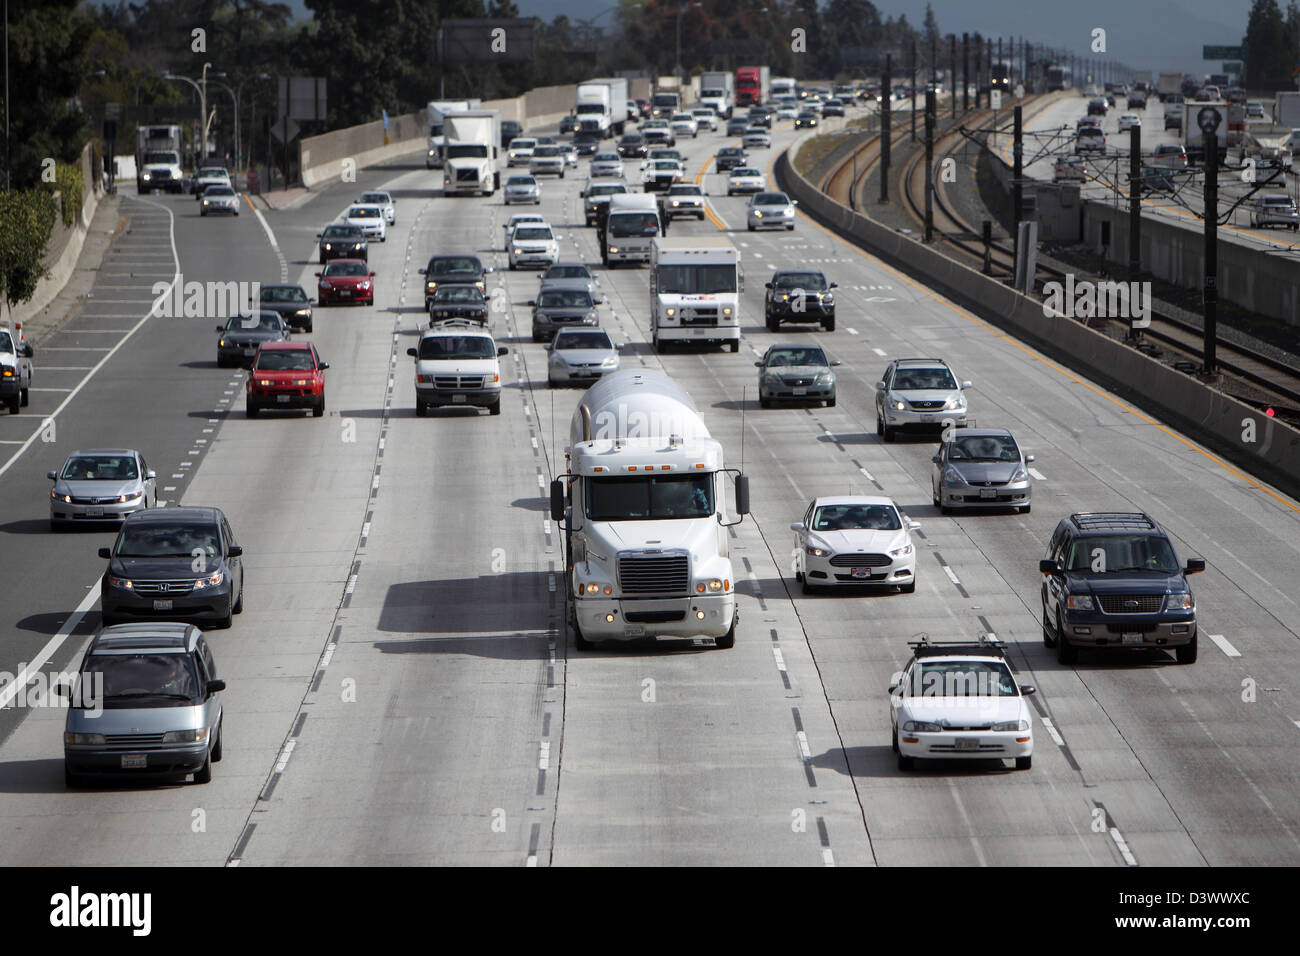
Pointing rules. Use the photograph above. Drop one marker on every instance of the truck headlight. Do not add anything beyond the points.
(211, 581)
(1180, 602)
(713, 586)
(591, 589)
(1080, 602)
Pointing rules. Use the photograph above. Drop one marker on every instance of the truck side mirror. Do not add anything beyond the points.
(557, 500)
(1048, 566)
(742, 494)
(1195, 566)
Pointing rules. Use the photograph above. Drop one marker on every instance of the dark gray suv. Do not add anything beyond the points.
(1113, 580)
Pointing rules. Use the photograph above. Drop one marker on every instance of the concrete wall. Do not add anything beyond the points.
(65, 242)
(1215, 419)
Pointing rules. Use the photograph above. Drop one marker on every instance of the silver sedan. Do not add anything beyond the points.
(522, 189)
(770, 210)
(101, 484)
(980, 468)
(580, 356)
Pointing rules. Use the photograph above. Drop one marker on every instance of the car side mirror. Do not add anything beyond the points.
(835, 362)
(557, 500)
(742, 494)
(834, 285)
(318, 275)
(324, 366)
(1049, 566)
(105, 552)
(222, 328)
(488, 270)
(1028, 689)
(880, 386)
(410, 351)
(319, 235)
(150, 475)
(1194, 566)
(758, 365)
(936, 459)
(1030, 458)
(27, 350)
(532, 302)
(216, 685)
(423, 271)
(797, 526)
(598, 300)
(893, 688)
(913, 524)
(767, 285)
(965, 385)
(235, 551)
(502, 350)
(52, 475)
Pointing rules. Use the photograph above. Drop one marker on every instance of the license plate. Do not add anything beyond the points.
(134, 761)
(282, 399)
(927, 418)
(1131, 638)
(633, 630)
(344, 293)
(458, 398)
(861, 572)
(988, 492)
(800, 391)
(699, 332)
(94, 512)
(249, 353)
(162, 605)
(966, 743)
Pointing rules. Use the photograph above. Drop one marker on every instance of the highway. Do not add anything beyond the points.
(402, 688)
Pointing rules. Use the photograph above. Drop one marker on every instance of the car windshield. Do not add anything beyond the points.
(458, 293)
(213, 172)
(219, 191)
(813, 281)
(283, 293)
(583, 340)
(363, 212)
(606, 158)
(523, 143)
(634, 224)
(446, 347)
(159, 156)
(632, 139)
(533, 232)
(132, 676)
(666, 164)
(566, 272)
(164, 539)
(684, 191)
(963, 679)
(100, 468)
(809, 355)
(745, 173)
(984, 448)
(644, 499)
(467, 151)
(379, 198)
(564, 299)
(336, 269)
(911, 379)
(770, 199)
(444, 267)
(546, 151)
(1111, 553)
(853, 517)
(284, 360)
(6, 343)
(342, 232)
(521, 181)
(610, 190)
(262, 322)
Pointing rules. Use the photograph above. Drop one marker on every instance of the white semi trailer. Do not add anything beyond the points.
(643, 507)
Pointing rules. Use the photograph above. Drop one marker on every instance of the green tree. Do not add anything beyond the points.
(26, 219)
(1268, 59)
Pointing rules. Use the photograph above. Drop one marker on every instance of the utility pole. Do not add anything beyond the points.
(952, 61)
(1134, 209)
(965, 72)
(911, 89)
(886, 97)
(1017, 172)
(929, 164)
(1210, 288)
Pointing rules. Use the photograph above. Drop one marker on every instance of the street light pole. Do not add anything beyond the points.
(235, 99)
(203, 108)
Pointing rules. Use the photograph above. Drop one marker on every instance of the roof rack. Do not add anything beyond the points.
(458, 323)
(983, 646)
(937, 360)
(1113, 521)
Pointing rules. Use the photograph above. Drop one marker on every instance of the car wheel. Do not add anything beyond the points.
(893, 740)
(216, 747)
(773, 324)
(319, 408)
(828, 325)
(580, 642)
(204, 773)
(421, 409)
(1066, 653)
(72, 780)
(1025, 509)
(251, 410)
(495, 408)
(944, 509)
(1024, 763)
(307, 327)
(889, 433)
(880, 424)
(14, 404)
(790, 228)
(830, 402)
(750, 226)
(1187, 653)
(906, 763)
(224, 623)
(805, 587)
(735, 345)
(764, 402)
(909, 587)
(727, 641)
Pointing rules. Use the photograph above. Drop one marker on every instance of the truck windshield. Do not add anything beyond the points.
(467, 151)
(634, 224)
(1122, 553)
(590, 108)
(161, 156)
(665, 99)
(644, 499)
(696, 280)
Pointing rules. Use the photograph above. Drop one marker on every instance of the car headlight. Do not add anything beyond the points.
(952, 476)
(123, 499)
(921, 726)
(83, 739)
(900, 552)
(591, 316)
(264, 382)
(827, 298)
(1180, 602)
(207, 202)
(1010, 725)
(211, 581)
(758, 214)
(365, 285)
(1020, 475)
(557, 359)
(325, 284)
(1080, 602)
(772, 378)
(613, 248)
(591, 589)
(955, 402)
(303, 312)
(816, 552)
(196, 736)
(610, 362)
(899, 404)
(302, 381)
(66, 499)
(825, 378)
(125, 584)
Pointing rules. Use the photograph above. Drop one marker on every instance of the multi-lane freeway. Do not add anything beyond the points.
(402, 687)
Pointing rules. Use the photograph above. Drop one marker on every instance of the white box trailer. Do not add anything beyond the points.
(718, 92)
(643, 508)
(601, 106)
(695, 286)
(473, 138)
(435, 113)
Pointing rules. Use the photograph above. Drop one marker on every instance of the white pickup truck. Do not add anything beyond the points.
(15, 369)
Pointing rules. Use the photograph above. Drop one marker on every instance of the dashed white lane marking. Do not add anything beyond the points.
(804, 749)
(1129, 858)
(284, 756)
(828, 858)
(1225, 645)
(951, 576)
(780, 659)
(866, 474)
(532, 861)
(328, 655)
(851, 331)
(365, 530)
(1053, 732)
(544, 756)
(352, 583)
(169, 488)
(880, 352)
(1038, 475)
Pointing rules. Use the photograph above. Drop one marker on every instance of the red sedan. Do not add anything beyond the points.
(346, 280)
(286, 375)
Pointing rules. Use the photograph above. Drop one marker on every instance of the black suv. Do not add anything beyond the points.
(799, 296)
(457, 270)
(1113, 580)
(1096, 107)
(730, 157)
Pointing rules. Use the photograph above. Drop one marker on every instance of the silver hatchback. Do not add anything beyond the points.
(146, 702)
(101, 484)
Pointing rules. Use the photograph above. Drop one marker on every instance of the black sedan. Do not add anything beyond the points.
(239, 337)
(292, 304)
(586, 144)
(343, 242)
(633, 146)
(450, 301)
(730, 157)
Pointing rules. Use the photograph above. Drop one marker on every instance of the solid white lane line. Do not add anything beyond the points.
(10, 691)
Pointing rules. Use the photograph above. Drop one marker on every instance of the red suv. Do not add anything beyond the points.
(286, 375)
(346, 280)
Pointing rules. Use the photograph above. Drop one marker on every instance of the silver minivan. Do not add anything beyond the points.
(147, 702)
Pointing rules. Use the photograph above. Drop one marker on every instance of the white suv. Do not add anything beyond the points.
(960, 701)
(919, 394)
(533, 244)
(456, 364)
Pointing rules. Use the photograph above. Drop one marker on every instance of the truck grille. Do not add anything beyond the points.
(164, 587)
(467, 175)
(659, 574)
(861, 561)
(1131, 603)
(457, 381)
(700, 317)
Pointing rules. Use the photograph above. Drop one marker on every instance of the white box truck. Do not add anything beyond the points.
(695, 286)
(631, 223)
(781, 86)
(1169, 85)
(158, 159)
(601, 106)
(666, 98)
(643, 507)
(436, 113)
(718, 92)
(470, 152)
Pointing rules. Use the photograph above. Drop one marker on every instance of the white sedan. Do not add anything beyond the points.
(706, 117)
(854, 540)
(370, 219)
(606, 164)
(745, 179)
(1129, 120)
(518, 219)
(756, 136)
(384, 201)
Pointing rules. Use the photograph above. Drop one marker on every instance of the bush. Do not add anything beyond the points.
(26, 221)
(67, 179)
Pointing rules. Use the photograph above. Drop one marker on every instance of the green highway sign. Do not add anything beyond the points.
(1223, 53)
